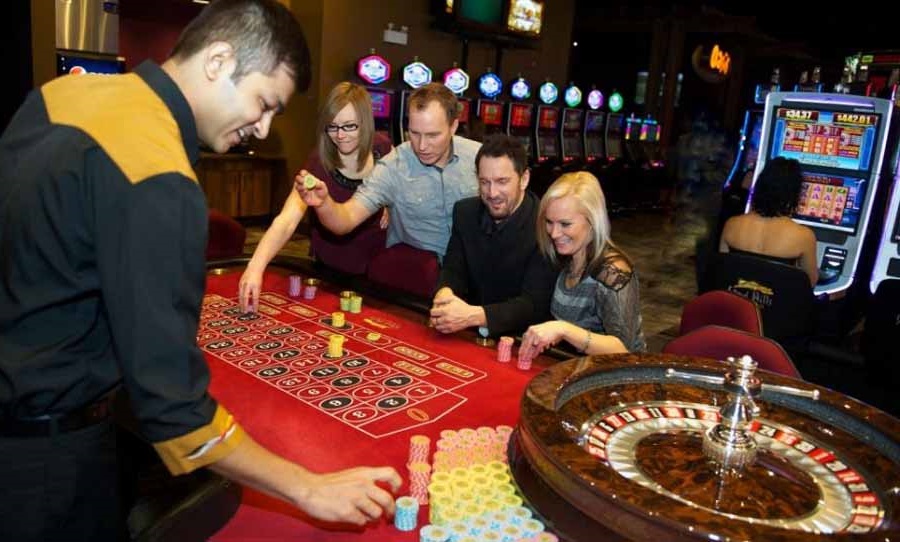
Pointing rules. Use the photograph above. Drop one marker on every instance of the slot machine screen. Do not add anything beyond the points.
(78, 64)
(572, 120)
(645, 132)
(594, 125)
(614, 136)
(381, 104)
(751, 145)
(832, 139)
(548, 118)
(525, 16)
(595, 121)
(464, 106)
(652, 132)
(831, 201)
(491, 113)
(520, 116)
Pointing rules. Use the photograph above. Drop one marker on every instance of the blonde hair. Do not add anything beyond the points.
(591, 203)
(342, 94)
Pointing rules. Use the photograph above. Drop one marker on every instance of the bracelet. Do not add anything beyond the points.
(587, 342)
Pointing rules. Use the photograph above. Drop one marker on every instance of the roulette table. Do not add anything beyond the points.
(395, 377)
(661, 447)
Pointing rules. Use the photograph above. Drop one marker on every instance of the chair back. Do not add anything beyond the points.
(226, 237)
(722, 308)
(719, 342)
(781, 292)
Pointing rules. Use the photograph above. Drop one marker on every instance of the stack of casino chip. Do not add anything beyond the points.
(419, 468)
(541, 537)
(471, 447)
(406, 514)
(356, 304)
(337, 319)
(335, 346)
(504, 349)
(311, 286)
(525, 357)
(433, 533)
(295, 285)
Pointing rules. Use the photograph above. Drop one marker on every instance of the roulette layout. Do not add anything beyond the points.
(660, 447)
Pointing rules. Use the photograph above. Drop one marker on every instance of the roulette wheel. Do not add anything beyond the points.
(661, 447)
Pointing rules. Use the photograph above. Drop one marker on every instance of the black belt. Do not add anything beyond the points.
(49, 425)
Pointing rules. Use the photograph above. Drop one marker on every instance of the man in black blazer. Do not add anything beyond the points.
(493, 276)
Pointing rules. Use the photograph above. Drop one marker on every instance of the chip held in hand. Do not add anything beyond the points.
(309, 182)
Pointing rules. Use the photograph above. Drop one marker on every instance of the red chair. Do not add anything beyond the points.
(226, 237)
(721, 308)
(719, 342)
(406, 269)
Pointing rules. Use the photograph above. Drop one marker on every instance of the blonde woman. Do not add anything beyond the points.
(596, 299)
(347, 149)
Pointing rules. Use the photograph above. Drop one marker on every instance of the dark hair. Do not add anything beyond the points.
(263, 33)
(499, 145)
(435, 92)
(777, 189)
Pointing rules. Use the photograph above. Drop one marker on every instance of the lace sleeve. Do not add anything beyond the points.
(619, 306)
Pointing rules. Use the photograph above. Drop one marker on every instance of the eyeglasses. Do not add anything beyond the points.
(346, 128)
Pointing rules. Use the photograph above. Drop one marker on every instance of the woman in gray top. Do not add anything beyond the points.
(596, 301)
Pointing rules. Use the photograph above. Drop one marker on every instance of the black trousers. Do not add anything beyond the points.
(62, 487)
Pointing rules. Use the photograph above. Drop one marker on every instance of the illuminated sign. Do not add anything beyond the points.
(416, 74)
(615, 102)
(456, 80)
(548, 93)
(573, 96)
(595, 99)
(373, 69)
(719, 60)
(490, 85)
(520, 89)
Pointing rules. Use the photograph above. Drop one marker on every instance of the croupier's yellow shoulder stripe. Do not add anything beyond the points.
(202, 446)
(104, 107)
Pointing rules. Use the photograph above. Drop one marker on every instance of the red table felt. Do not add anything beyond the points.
(452, 383)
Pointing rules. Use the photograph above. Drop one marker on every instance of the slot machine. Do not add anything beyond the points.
(615, 126)
(571, 132)
(840, 142)
(415, 74)
(375, 70)
(810, 84)
(457, 80)
(633, 149)
(547, 158)
(650, 134)
(594, 129)
(490, 111)
(520, 117)
(546, 130)
(887, 259)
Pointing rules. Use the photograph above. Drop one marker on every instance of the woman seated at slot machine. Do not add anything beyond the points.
(347, 149)
(768, 230)
(596, 299)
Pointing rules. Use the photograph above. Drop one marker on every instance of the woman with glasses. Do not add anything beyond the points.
(596, 299)
(347, 149)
